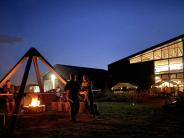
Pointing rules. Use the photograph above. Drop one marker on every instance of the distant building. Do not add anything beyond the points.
(97, 76)
(160, 66)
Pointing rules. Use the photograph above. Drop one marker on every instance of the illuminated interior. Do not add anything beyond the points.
(171, 50)
(53, 78)
(168, 64)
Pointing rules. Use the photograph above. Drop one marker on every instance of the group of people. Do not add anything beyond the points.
(74, 88)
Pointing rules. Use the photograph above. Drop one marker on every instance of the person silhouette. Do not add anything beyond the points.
(89, 100)
(10, 103)
(73, 88)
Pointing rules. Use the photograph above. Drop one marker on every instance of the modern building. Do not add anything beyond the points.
(160, 66)
(97, 76)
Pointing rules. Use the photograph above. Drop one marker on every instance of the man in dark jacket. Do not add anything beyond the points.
(73, 88)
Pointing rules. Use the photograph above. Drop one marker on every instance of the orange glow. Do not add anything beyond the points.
(35, 102)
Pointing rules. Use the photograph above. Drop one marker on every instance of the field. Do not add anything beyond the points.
(117, 119)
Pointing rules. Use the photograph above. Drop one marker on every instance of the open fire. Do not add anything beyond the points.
(35, 102)
(34, 106)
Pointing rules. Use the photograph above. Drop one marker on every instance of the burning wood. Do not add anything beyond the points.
(34, 106)
(35, 102)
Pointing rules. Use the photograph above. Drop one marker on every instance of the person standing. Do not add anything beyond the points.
(89, 100)
(10, 103)
(73, 88)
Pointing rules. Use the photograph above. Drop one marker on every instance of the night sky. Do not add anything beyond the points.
(89, 33)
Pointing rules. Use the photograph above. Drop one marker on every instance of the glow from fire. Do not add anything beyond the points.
(34, 102)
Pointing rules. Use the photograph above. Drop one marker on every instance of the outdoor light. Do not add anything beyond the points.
(53, 77)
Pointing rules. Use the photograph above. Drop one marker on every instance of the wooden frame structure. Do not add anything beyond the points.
(31, 55)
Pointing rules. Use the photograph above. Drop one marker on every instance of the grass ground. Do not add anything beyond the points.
(117, 119)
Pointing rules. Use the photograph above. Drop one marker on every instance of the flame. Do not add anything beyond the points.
(35, 102)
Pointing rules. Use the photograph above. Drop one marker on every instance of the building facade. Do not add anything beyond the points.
(97, 76)
(160, 66)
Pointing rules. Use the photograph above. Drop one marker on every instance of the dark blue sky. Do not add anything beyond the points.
(90, 33)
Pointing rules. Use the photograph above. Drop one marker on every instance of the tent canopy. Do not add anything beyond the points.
(168, 83)
(126, 85)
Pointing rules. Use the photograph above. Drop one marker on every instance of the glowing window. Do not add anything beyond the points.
(173, 76)
(135, 59)
(165, 52)
(169, 50)
(157, 54)
(176, 65)
(179, 47)
(173, 51)
(147, 56)
(161, 67)
(176, 50)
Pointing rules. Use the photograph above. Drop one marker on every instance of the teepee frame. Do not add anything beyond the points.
(31, 55)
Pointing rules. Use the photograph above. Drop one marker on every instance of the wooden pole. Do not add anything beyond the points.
(35, 61)
(49, 66)
(12, 71)
(19, 97)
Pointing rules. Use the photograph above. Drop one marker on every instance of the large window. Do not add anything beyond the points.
(175, 50)
(157, 54)
(171, 50)
(174, 65)
(136, 59)
(147, 56)
(161, 67)
(165, 52)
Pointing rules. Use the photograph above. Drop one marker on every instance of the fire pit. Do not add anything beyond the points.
(34, 107)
